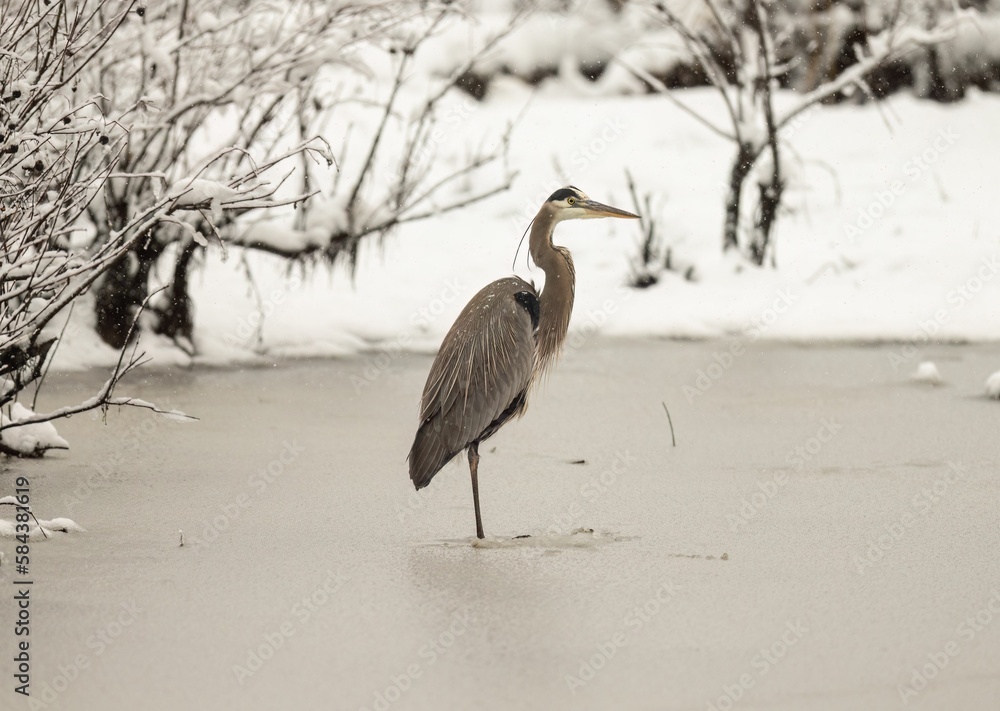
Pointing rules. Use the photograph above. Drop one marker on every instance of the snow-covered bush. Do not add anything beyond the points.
(970, 56)
(736, 44)
(133, 134)
(66, 154)
(223, 89)
(201, 89)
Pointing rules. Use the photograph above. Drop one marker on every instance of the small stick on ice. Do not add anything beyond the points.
(673, 440)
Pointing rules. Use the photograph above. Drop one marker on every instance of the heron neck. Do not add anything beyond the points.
(556, 300)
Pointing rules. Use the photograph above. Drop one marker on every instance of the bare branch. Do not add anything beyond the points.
(665, 91)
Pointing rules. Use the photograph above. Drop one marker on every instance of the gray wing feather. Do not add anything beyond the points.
(484, 365)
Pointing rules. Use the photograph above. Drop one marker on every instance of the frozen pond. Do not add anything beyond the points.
(824, 535)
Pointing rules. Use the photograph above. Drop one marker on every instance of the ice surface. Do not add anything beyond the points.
(809, 510)
(577, 538)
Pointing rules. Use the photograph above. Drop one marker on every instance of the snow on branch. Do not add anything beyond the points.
(23, 435)
(103, 399)
(888, 45)
(12, 501)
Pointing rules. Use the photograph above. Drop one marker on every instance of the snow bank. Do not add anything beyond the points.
(888, 233)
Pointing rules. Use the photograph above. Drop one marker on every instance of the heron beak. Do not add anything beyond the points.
(593, 208)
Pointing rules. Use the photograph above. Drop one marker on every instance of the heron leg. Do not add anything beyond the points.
(474, 469)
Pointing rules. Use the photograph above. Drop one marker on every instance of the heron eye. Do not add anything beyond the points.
(570, 200)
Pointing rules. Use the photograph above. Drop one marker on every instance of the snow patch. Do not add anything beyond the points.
(927, 373)
(8, 529)
(29, 440)
(993, 386)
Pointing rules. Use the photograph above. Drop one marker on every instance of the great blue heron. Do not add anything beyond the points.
(503, 341)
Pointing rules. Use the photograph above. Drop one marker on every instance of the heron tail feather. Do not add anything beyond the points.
(429, 453)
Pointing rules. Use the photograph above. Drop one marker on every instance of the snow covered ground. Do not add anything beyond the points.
(890, 233)
(822, 537)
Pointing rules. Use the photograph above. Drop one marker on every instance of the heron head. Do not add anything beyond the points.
(571, 203)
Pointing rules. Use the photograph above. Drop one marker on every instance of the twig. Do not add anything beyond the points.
(105, 396)
(673, 440)
(665, 92)
(51, 357)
